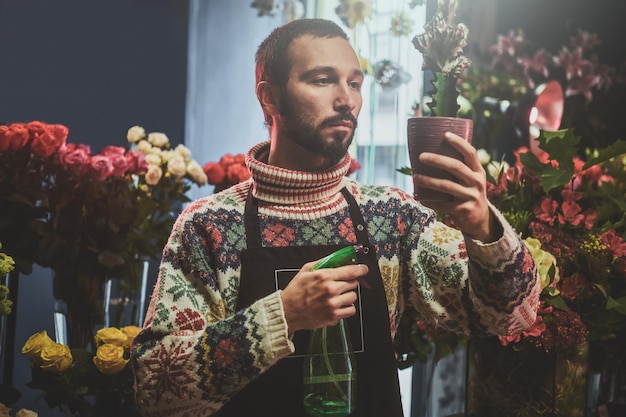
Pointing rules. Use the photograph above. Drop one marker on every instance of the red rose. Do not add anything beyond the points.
(47, 138)
(214, 172)
(13, 137)
(227, 160)
(237, 173)
(240, 159)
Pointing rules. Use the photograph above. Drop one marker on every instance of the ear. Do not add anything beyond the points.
(269, 97)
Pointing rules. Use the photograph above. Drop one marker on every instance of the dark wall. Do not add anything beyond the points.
(551, 23)
(98, 67)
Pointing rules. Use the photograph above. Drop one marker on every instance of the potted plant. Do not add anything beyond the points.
(442, 48)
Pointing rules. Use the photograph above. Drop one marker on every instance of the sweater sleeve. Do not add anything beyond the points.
(192, 356)
(472, 288)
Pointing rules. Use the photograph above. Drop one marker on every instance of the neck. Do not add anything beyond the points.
(289, 155)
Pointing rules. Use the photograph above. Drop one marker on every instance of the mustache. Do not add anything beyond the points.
(341, 118)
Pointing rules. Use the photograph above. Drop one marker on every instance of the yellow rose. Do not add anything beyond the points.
(109, 359)
(110, 335)
(544, 261)
(56, 357)
(130, 332)
(33, 346)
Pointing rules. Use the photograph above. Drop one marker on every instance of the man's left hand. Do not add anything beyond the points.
(469, 208)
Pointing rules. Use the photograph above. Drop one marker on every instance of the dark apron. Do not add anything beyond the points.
(278, 392)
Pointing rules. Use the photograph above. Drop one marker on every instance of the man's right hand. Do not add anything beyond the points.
(319, 298)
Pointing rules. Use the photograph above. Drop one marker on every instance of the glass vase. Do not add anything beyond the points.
(520, 381)
(330, 372)
(124, 304)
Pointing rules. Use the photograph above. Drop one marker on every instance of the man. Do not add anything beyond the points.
(227, 320)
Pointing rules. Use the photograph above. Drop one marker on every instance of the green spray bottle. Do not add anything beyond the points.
(329, 363)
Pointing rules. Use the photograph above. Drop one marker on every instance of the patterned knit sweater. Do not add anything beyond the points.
(196, 351)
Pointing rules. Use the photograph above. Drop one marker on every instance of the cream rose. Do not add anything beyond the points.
(135, 134)
(26, 413)
(56, 357)
(153, 174)
(183, 151)
(144, 147)
(177, 166)
(195, 171)
(153, 159)
(33, 346)
(158, 139)
(109, 359)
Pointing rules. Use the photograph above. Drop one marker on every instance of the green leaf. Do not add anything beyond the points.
(405, 170)
(618, 305)
(616, 149)
(557, 302)
(562, 145)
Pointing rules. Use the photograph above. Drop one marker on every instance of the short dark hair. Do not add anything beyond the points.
(272, 58)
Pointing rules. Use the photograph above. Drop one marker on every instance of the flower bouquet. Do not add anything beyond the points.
(90, 217)
(81, 383)
(571, 214)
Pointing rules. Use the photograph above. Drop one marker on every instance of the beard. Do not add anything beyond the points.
(300, 128)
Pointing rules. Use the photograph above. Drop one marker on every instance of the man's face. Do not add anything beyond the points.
(322, 98)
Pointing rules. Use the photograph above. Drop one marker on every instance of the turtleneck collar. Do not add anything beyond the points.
(277, 185)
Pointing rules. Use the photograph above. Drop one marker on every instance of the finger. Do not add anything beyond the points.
(348, 273)
(470, 155)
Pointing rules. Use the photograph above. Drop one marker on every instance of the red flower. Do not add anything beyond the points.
(13, 137)
(215, 172)
(546, 211)
(46, 138)
(615, 243)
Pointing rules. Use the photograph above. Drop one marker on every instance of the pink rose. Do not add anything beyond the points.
(118, 159)
(75, 157)
(101, 167)
(47, 139)
(136, 162)
(13, 137)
